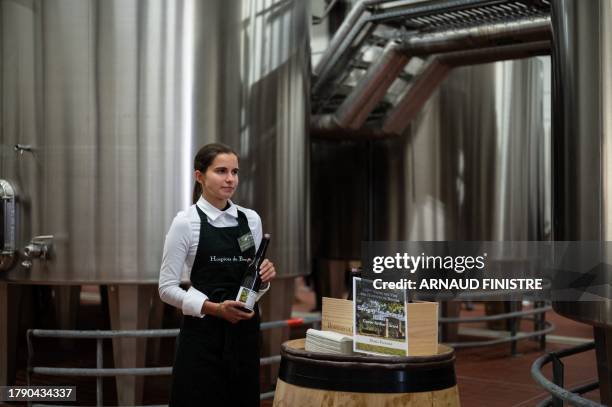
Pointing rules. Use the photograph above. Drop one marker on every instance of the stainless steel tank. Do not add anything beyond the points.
(582, 123)
(583, 133)
(472, 166)
(104, 103)
(471, 159)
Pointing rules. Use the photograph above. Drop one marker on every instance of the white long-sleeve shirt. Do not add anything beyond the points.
(182, 244)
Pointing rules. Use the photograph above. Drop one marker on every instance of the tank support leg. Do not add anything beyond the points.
(155, 322)
(9, 298)
(67, 300)
(603, 349)
(450, 332)
(129, 308)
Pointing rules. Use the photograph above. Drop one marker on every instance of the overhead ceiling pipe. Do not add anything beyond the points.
(365, 15)
(349, 22)
(494, 54)
(349, 30)
(371, 89)
(437, 68)
(487, 35)
(418, 92)
(353, 112)
(355, 109)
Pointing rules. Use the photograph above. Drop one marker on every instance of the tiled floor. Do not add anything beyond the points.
(491, 377)
(487, 376)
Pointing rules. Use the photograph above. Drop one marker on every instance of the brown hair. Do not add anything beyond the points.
(204, 158)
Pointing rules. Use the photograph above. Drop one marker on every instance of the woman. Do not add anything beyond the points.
(217, 356)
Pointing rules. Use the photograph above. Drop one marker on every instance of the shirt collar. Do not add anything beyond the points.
(213, 212)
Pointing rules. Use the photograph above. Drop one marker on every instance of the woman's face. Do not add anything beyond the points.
(220, 179)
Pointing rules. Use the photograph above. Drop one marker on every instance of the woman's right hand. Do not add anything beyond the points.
(233, 311)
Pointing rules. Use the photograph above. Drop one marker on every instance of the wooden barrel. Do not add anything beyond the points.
(317, 379)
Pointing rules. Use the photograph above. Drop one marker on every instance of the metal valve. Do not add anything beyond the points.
(39, 248)
(21, 148)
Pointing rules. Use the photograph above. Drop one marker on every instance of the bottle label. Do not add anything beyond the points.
(248, 297)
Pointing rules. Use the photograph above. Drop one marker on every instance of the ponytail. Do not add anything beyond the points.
(197, 191)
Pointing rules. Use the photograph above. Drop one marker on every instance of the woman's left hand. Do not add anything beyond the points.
(267, 271)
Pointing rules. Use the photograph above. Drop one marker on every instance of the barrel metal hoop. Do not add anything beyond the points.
(362, 378)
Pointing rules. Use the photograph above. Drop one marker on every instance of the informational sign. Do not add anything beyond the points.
(379, 319)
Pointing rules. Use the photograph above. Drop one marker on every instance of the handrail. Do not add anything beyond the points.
(541, 328)
(99, 371)
(559, 394)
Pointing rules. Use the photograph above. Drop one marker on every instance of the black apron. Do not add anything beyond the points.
(217, 362)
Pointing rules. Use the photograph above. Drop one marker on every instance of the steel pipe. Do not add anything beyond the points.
(495, 53)
(486, 35)
(359, 17)
(417, 94)
(351, 26)
(565, 395)
(354, 111)
(437, 69)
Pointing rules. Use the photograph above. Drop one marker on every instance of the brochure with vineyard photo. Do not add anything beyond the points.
(380, 320)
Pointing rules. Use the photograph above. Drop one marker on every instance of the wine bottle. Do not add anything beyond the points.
(249, 288)
(355, 272)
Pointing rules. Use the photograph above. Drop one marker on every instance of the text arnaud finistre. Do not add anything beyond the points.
(458, 264)
(228, 259)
